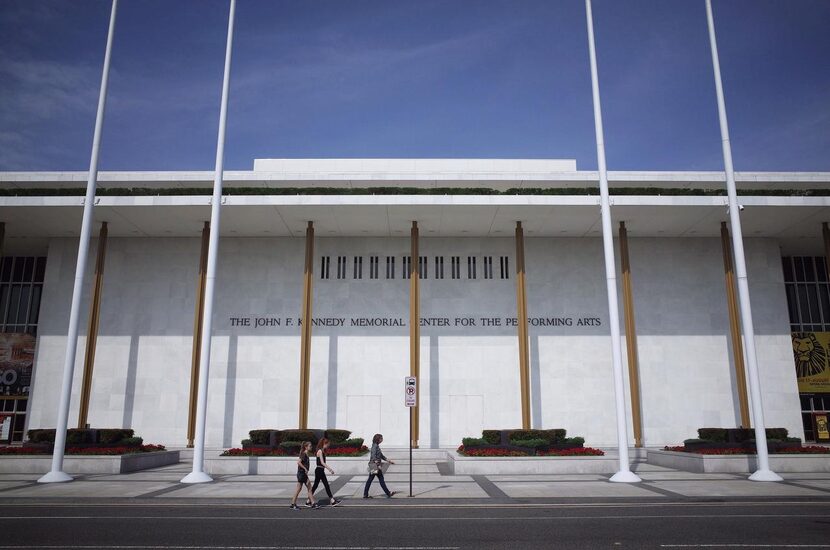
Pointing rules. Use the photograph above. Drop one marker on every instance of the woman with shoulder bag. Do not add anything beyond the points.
(375, 467)
(302, 477)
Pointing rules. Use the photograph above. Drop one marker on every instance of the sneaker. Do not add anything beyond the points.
(293, 507)
(308, 504)
(390, 495)
(367, 496)
(335, 502)
(315, 506)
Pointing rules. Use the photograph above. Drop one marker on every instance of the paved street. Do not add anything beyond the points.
(670, 509)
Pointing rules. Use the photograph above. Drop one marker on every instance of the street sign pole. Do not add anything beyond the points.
(410, 399)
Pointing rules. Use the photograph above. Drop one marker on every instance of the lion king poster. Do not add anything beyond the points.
(810, 351)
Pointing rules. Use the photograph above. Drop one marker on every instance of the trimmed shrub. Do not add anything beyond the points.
(355, 442)
(777, 433)
(299, 435)
(474, 441)
(693, 441)
(264, 437)
(80, 435)
(114, 435)
(41, 436)
(712, 434)
(577, 441)
(337, 436)
(246, 443)
(532, 443)
(132, 441)
(556, 435)
(527, 434)
(291, 447)
(493, 437)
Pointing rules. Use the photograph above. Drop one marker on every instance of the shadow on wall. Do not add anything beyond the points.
(331, 414)
(230, 391)
(434, 387)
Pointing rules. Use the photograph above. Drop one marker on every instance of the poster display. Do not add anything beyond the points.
(5, 427)
(822, 430)
(17, 355)
(810, 351)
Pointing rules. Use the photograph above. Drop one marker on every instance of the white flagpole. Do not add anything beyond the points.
(56, 474)
(198, 475)
(763, 473)
(624, 474)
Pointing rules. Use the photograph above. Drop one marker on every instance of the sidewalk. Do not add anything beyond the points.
(430, 485)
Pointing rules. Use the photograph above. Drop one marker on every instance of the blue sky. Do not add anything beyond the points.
(425, 78)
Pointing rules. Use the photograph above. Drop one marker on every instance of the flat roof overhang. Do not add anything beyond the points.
(523, 176)
(794, 221)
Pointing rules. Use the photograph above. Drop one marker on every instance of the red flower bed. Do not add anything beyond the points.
(489, 451)
(114, 450)
(808, 450)
(348, 451)
(581, 451)
(500, 451)
(23, 451)
(83, 450)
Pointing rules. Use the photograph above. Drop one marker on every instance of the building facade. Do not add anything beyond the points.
(677, 310)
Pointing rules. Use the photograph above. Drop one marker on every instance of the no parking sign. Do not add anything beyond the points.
(410, 386)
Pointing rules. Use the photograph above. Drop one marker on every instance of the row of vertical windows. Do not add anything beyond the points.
(423, 267)
(808, 293)
(21, 287)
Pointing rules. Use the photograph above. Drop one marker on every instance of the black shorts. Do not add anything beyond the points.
(302, 477)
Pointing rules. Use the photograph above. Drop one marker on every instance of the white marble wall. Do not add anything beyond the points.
(469, 375)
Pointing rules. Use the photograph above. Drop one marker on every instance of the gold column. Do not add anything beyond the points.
(414, 327)
(521, 301)
(198, 321)
(305, 338)
(631, 338)
(92, 326)
(825, 231)
(734, 325)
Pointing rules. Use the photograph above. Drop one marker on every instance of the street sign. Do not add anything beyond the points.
(410, 391)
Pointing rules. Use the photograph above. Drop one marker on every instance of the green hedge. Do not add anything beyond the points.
(262, 437)
(292, 447)
(493, 437)
(41, 436)
(354, 442)
(712, 434)
(299, 435)
(552, 436)
(337, 436)
(738, 435)
(112, 436)
(474, 441)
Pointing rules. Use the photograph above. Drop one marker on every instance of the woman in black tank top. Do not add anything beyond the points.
(320, 472)
(302, 477)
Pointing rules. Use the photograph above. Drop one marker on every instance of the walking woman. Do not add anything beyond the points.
(302, 477)
(320, 472)
(376, 459)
